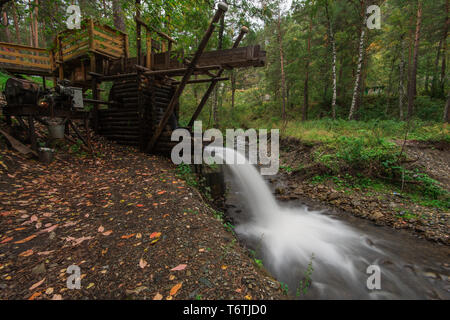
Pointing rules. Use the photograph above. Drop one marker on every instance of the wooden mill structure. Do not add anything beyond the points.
(143, 105)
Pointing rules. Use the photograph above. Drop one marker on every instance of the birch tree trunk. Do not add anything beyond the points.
(360, 62)
(283, 76)
(306, 86)
(413, 76)
(333, 48)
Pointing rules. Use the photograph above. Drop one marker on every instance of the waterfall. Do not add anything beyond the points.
(288, 239)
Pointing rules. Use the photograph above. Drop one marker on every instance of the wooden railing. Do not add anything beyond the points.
(92, 37)
(20, 57)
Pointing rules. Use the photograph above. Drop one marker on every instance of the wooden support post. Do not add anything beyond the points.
(88, 136)
(95, 95)
(32, 133)
(222, 8)
(141, 111)
(22, 123)
(211, 87)
(148, 62)
(138, 31)
(61, 59)
(78, 133)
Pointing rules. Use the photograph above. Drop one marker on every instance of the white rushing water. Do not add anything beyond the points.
(288, 238)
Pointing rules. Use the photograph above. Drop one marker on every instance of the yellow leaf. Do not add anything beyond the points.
(90, 285)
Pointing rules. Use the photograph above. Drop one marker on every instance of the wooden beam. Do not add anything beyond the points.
(150, 28)
(244, 30)
(203, 80)
(222, 8)
(32, 133)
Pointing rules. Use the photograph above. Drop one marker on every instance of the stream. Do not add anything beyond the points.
(322, 253)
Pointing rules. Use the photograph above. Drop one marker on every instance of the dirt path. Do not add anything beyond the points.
(126, 221)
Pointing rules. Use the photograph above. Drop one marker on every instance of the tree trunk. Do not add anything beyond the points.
(413, 76)
(360, 62)
(447, 110)
(5, 23)
(444, 57)
(233, 90)
(16, 22)
(36, 25)
(434, 81)
(215, 108)
(306, 89)
(333, 47)
(283, 76)
(401, 85)
(118, 15)
(31, 24)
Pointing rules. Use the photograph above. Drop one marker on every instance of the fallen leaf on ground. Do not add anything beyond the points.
(107, 233)
(101, 229)
(26, 239)
(158, 296)
(179, 268)
(45, 253)
(155, 235)
(175, 289)
(128, 236)
(142, 263)
(37, 284)
(7, 240)
(34, 295)
(26, 253)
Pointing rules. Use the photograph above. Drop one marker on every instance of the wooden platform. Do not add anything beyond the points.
(22, 59)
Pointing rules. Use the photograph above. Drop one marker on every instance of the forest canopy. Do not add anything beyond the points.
(323, 60)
